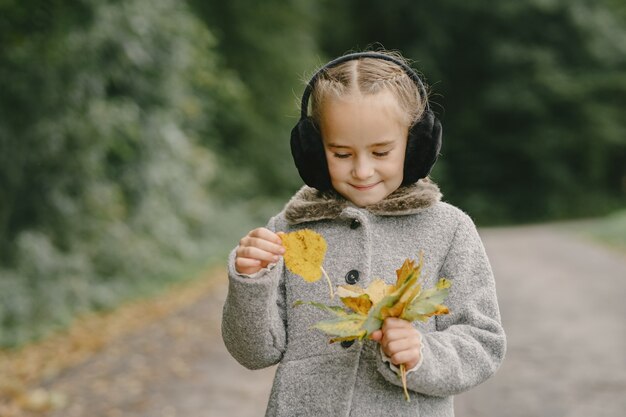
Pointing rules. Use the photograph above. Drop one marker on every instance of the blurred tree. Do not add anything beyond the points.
(533, 93)
(271, 46)
(103, 179)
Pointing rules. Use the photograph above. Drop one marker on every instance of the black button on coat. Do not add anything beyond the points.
(352, 277)
(347, 343)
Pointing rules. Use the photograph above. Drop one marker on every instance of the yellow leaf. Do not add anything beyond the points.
(443, 284)
(336, 310)
(348, 326)
(428, 303)
(441, 310)
(342, 339)
(349, 291)
(408, 270)
(305, 251)
(360, 304)
(409, 293)
(378, 289)
(404, 272)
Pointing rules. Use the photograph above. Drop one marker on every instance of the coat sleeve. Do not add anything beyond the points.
(469, 344)
(253, 320)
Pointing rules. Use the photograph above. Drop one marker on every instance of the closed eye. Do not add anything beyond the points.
(341, 155)
(381, 154)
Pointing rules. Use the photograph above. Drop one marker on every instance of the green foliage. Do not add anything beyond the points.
(104, 176)
(533, 94)
(270, 45)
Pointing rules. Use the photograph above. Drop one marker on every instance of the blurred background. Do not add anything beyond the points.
(140, 139)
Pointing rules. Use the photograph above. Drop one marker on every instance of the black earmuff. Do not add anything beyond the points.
(307, 148)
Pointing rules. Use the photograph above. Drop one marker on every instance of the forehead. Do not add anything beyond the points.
(359, 118)
(383, 101)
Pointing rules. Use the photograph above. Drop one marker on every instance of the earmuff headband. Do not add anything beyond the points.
(304, 105)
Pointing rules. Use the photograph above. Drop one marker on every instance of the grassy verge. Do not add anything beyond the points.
(609, 230)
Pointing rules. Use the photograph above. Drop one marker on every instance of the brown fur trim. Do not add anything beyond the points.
(309, 204)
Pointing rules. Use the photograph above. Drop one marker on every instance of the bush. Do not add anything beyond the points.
(105, 187)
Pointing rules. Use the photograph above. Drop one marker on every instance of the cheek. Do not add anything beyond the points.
(336, 171)
(400, 159)
(334, 168)
(395, 167)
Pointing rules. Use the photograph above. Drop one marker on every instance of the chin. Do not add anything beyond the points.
(366, 201)
(360, 199)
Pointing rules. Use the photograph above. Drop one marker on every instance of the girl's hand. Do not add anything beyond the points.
(400, 341)
(256, 250)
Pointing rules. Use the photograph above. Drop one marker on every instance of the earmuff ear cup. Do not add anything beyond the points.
(308, 153)
(422, 149)
(423, 146)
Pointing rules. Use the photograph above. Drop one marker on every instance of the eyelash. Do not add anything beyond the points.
(347, 155)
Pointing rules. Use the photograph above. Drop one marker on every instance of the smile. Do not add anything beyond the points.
(364, 187)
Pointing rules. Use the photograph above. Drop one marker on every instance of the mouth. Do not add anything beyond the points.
(364, 187)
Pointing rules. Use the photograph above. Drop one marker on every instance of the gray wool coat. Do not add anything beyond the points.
(261, 327)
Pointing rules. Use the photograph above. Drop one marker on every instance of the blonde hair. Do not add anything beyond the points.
(369, 76)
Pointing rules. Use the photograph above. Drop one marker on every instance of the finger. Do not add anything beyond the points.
(263, 244)
(256, 253)
(247, 266)
(266, 234)
(390, 335)
(376, 336)
(401, 345)
(394, 322)
(395, 341)
(411, 357)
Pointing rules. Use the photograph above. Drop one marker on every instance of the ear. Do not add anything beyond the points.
(308, 154)
(423, 146)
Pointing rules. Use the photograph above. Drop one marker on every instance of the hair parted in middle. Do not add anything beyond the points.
(366, 73)
(369, 76)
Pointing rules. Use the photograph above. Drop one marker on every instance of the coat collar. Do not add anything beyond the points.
(309, 204)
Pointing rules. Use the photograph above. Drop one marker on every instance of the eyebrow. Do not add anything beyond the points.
(335, 145)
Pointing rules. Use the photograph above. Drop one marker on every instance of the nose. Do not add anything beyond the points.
(362, 168)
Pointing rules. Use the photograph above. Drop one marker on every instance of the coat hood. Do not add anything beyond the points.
(309, 204)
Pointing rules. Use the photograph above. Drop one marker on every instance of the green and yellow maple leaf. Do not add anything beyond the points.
(360, 305)
(370, 306)
(428, 303)
(376, 291)
(348, 326)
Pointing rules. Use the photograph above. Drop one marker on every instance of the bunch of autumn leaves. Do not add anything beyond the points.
(367, 307)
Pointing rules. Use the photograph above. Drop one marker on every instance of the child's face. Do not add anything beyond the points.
(365, 141)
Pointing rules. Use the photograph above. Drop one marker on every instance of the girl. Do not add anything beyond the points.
(365, 153)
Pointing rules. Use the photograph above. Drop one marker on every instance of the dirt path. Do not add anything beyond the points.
(563, 302)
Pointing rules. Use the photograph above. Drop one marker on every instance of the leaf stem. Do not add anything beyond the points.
(403, 376)
(330, 285)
